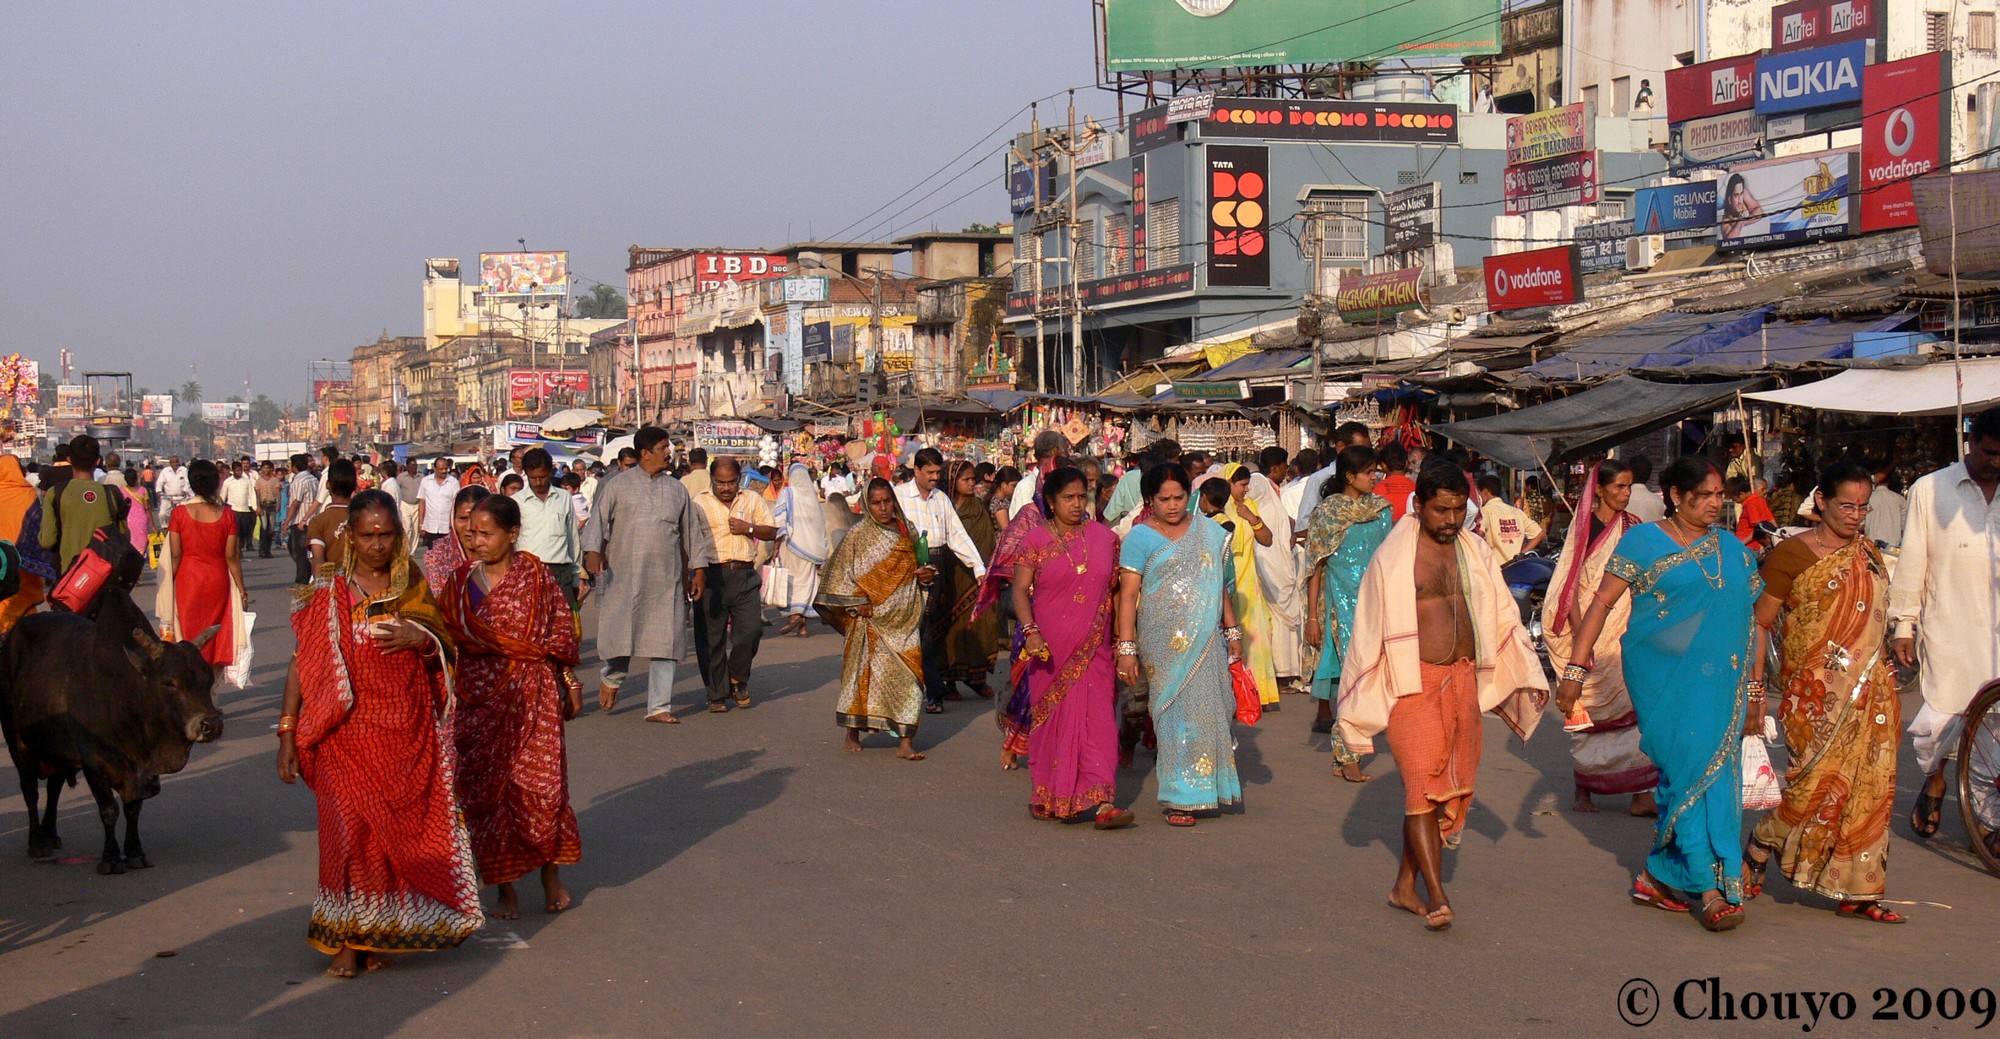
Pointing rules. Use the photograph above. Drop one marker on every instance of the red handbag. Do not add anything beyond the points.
(1249, 706)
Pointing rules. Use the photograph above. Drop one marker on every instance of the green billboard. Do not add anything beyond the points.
(1191, 34)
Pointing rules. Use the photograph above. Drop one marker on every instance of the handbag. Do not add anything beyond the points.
(1249, 706)
(1761, 789)
(777, 585)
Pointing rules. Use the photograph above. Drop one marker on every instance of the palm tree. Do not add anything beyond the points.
(190, 392)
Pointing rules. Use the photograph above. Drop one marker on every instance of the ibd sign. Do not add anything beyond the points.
(712, 269)
(1823, 77)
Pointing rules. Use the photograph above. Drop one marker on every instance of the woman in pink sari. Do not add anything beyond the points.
(1062, 584)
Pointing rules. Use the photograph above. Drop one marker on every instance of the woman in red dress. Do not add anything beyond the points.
(516, 645)
(201, 537)
(367, 722)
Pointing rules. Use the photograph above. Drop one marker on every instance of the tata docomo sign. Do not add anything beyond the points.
(1539, 278)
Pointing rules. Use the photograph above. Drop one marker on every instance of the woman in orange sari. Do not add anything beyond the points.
(1830, 834)
(516, 646)
(367, 723)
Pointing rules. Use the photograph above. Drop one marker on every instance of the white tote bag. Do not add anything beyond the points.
(777, 585)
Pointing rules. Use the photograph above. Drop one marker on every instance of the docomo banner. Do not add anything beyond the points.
(1549, 134)
(1568, 181)
(1539, 278)
(1268, 119)
(524, 274)
(1375, 297)
(1816, 23)
(1712, 88)
(1903, 133)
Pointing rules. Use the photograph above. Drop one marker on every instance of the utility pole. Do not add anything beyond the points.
(1035, 152)
(1075, 276)
(1314, 228)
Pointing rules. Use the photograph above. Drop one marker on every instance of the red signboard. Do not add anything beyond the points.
(1712, 88)
(712, 269)
(529, 384)
(1816, 23)
(1902, 135)
(1539, 278)
(1571, 180)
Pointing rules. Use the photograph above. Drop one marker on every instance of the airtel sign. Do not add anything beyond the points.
(1711, 88)
(1538, 278)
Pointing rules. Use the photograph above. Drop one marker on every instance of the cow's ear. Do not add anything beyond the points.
(201, 641)
(147, 643)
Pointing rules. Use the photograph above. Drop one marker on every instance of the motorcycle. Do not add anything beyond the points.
(1528, 576)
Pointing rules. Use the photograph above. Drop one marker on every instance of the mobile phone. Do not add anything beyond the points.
(377, 610)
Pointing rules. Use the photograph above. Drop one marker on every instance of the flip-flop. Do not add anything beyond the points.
(1925, 814)
(607, 697)
(1109, 818)
(1874, 911)
(1648, 892)
(664, 718)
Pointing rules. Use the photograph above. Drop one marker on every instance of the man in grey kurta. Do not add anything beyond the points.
(647, 547)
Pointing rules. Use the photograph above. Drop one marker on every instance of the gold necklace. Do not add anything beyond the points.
(1714, 580)
(1062, 544)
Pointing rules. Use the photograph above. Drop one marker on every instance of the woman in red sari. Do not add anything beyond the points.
(367, 723)
(516, 646)
(1062, 584)
(450, 552)
(208, 563)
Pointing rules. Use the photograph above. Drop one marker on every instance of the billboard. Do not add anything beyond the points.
(1786, 201)
(1677, 210)
(1239, 211)
(1411, 218)
(1823, 77)
(1537, 278)
(1275, 119)
(1816, 23)
(1903, 133)
(1601, 246)
(712, 269)
(1716, 140)
(1378, 297)
(522, 274)
(1150, 129)
(817, 342)
(528, 388)
(1548, 134)
(1712, 88)
(157, 405)
(225, 411)
(727, 436)
(1141, 35)
(72, 401)
(1958, 217)
(1567, 181)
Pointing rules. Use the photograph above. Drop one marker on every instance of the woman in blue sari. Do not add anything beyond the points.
(1342, 534)
(1175, 623)
(1688, 652)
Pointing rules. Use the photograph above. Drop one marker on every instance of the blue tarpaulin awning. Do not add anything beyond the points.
(1786, 343)
(1659, 336)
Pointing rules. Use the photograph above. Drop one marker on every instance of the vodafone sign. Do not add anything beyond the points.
(1541, 278)
(1903, 131)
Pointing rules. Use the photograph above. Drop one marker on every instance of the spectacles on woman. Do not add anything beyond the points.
(1848, 508)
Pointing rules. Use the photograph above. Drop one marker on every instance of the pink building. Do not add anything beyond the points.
(658, 283)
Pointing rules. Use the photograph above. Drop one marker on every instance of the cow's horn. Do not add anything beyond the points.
(201, 641)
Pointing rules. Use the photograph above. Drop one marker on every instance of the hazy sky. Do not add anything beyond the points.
(246, 187)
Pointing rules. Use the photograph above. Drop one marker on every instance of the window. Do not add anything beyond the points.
(1937, 30)
(1163, 232)
(1117, 245)
(1615, 205)
(1590, 100)
(1084, 256)
(1979, 31)
(1027, 253)
(1621, 95)
(1336, 237)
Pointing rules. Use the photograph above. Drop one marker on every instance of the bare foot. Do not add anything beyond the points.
(1439, 918)
(1351, 771)
(345, 963)
(607, 697)
(555, 897)
(1583, 803)
(374, 961)
(1407, 901)
(509, 905)
(908, 752)
(1008, 762)
(1644, 805)
(853, 742)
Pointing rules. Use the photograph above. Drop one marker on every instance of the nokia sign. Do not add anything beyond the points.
(1823, 77)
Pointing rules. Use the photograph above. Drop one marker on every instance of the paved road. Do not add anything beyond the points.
(743, 877)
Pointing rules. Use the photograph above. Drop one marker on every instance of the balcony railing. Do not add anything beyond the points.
(1530, 27)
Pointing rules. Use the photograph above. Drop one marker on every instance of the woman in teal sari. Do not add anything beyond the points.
(1175, 623)
(1342, 534)
(1688, 653)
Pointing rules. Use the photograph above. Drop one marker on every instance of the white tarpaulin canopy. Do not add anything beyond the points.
(1928, 390)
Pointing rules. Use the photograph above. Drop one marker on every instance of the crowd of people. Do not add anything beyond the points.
(437, 622)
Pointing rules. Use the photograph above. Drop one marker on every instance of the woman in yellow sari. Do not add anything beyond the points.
(1247, 531)
(869, 592)
(1830, 835)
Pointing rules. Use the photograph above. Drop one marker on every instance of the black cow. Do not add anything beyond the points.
(106, 698)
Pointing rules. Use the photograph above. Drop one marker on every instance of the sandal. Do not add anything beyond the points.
(1924, 815)
(1870, 910)
(1109, 818)
(933, 708)
(1754, 870)
(1649, 892)
(1727, 918)
(1179, 818)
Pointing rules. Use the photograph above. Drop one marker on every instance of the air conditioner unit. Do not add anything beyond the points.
(1643, 251)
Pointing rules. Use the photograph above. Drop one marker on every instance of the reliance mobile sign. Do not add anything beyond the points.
(1539, 278)
(1823, 77)
(1711, 88)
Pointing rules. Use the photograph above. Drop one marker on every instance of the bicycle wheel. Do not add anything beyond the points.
(1979, 774)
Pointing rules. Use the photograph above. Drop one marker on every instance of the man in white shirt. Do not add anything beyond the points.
(1048, 448)
(931, 514)
(1348, 434)
(172, 489)
(1886, 510)
(1946, 593)
(239, 493)
(1646, 502)
(434, 501)
(837, 481)
(548, 521)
